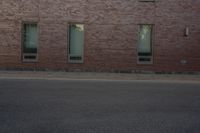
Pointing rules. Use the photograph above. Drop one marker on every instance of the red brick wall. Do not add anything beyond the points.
(111, 33)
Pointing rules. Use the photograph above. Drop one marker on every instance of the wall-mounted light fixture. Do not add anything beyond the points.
(187, 30)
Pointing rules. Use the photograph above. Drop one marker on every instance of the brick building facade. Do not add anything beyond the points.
(111, 34)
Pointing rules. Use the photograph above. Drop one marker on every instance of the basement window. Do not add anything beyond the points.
(146, 0)
(76, 43)
(145, 44)
(29, 42)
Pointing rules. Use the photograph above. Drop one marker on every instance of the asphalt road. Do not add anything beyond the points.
(97, 106)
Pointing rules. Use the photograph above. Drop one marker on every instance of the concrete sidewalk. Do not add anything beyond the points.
(52, 75)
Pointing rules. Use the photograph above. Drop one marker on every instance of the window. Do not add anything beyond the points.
(29, 42)
(76, 43)
(145, 44)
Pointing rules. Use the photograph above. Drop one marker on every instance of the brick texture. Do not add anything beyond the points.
(111, 33)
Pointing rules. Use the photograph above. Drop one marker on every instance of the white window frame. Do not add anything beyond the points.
(71, 55)
(24, 55)
(147, 57)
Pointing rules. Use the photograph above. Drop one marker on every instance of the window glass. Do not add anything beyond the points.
(30, 38)
(76, 39)
(145, 41)
(76, 42)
